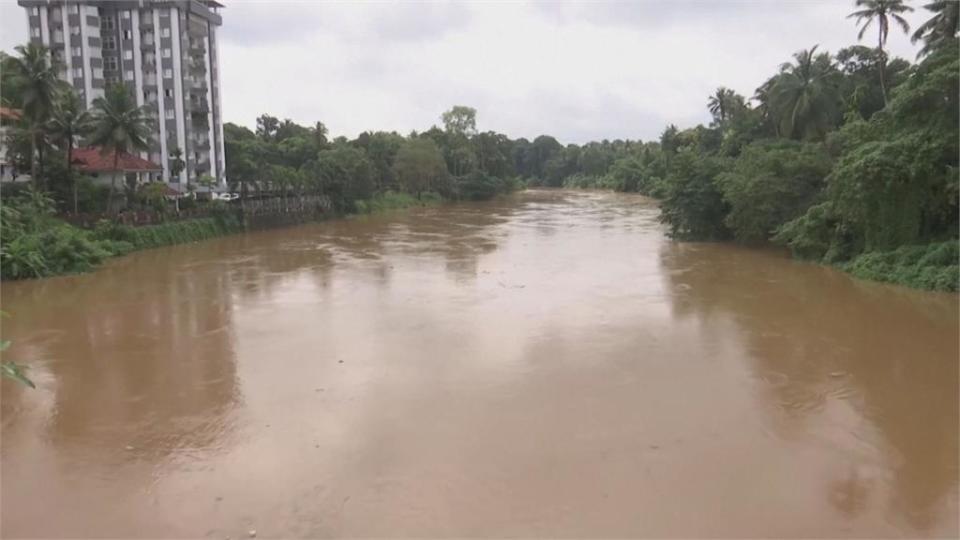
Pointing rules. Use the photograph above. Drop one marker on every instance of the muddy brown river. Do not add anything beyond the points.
(548, 364)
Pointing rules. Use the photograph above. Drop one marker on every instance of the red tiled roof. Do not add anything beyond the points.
(93, 159)
(9, 114)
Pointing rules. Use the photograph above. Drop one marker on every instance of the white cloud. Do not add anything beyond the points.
(578, 71)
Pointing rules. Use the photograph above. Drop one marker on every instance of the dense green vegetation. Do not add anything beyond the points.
(37, 244)
(376, 168)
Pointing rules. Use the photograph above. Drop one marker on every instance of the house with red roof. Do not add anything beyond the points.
(106, 168)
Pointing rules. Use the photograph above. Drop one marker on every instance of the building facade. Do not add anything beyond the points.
(165, 51)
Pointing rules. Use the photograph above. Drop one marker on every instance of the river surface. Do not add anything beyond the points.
(548, 364)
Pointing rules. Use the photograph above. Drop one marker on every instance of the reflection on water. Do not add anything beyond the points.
(545, 364)
(880, 363)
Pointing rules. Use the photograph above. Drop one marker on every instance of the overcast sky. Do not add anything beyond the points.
(577, 71)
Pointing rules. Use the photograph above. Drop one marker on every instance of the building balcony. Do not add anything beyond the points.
(199, 107)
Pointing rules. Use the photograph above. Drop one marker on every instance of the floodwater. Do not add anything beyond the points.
(548, 364)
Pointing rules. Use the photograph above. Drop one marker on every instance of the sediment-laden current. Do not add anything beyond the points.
(547, 364)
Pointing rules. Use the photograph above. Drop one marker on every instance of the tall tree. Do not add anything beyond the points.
(33, 72)
(419, 165)
(723, 103)
(460, 120)
(69, 121)
(804, 98)
(882, 11)
(940, 29)
(460, 124)
(119, 126)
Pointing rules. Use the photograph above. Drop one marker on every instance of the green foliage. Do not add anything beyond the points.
(805, 96)
(933, 266)
(896, 181)
(693, 205)
(940, 30)
(819, 234)
(772, 182)
(35, 244)
(12, 370)
(419, 166)
(478, 186)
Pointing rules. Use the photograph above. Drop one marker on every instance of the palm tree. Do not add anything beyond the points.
(68, 122)
(881, 11)
(723, 103)
(119, 126)
(34, 73)
(804, 98)
(941, 28)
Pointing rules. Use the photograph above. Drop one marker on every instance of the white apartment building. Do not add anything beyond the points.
(165, 51)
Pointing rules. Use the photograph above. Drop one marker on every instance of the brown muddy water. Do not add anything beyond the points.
(548, 364)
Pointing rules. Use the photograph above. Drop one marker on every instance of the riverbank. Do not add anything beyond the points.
(931, 267)
(38, 244)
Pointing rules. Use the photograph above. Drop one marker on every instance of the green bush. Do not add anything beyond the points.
(35, 244)
(693, 205)
(933, 266)
(771, 183)
(478, 186)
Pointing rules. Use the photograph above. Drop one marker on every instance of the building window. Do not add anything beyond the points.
(166, 52)
(164, 32)
(168, 92)
(110, 63)
(125, 14)
(109, 43)
(97, 73)
(36, 11)
(35, 32)
(78, 73)
(127, 34)
(107, 23)
(76, 51)
(58, 36)
(167, 73)
(128, 75)
(75, 30)
(170, 114)
(128, 55)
